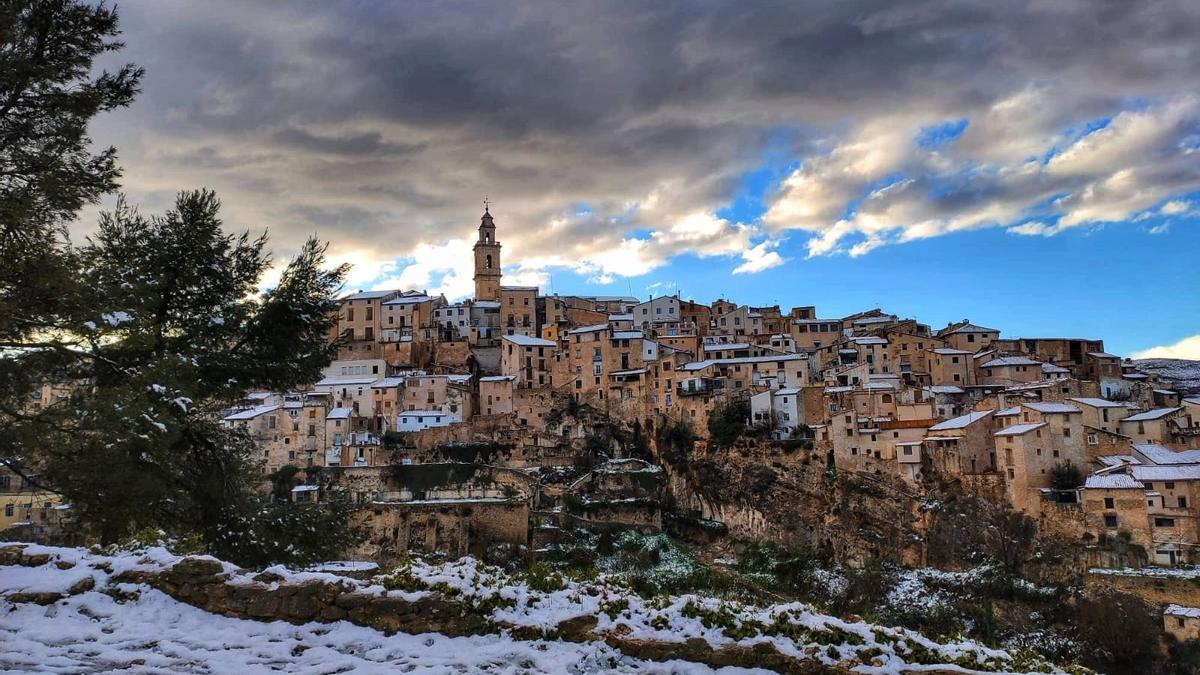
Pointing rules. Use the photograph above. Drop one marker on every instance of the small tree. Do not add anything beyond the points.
(1117, 627)
(727, 422)
(1065, 476)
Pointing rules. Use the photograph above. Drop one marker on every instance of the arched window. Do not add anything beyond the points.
(887, 398)
(488, 264)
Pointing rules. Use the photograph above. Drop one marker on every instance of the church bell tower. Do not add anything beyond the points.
(487, 259)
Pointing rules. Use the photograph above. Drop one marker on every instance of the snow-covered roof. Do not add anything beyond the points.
(588, 329)
(497, 378)
(1192, 400)
(1051, 368)
(1152, 472)
(1165, 456)
(878, 385)
(422, 413)
(350, 379)
(1117, 460)
(1019, 429)
(701, 365)
(486, 304)
(527, 341)
(945, 389)
(388, 383)
(627, 335)
(459, 378)
(961, 422)
(1009, 412)
(1166, 392)
(1052, 408)
(518, 288)
(1134, 376)
(721, 346)
(1011, 361)
(368, 295)
(787, 391)
(949, 351)
(409, 300)
(1112, 481)
(1103, 355)
(620, 317)
(1157, 413)
(339, 414)
(869, 340)
(306, 488)
(838, 390)
(1097, 402)
(1180, 610)
(622, 373)
(250, 413)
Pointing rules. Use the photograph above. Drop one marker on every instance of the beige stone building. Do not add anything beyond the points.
(1101, 413)
(518, 310)
(962, 445)
(529, 359)
(1156, 426)
(360, 324)
(968, 336)
(1008, 370)
(496, 394)
(1183, 623)
(950, 366)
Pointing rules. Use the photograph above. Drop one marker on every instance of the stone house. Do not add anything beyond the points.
(360, 323)
(518, 310)
(968, 336)
(1156, 426)
(352, 391)
(781, 409)
(1183, 623)
(1115, 505)
(409, 317)
(953, 367)
(1102, 414)
(528, 358)
(962, 445)
(811, 334)
(662, 308)
(1007, 370)
(25, 505)
(496, 394)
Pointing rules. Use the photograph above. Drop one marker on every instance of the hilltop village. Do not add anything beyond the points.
(510, 418)
(1054, 424)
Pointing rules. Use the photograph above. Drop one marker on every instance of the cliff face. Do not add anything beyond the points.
(763, 492)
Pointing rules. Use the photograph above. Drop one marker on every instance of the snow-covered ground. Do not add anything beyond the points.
(1185, 374)
(138, 629)
(93, 633)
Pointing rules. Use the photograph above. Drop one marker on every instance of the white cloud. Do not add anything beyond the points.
(759, 258)
(451, 262)
(1174, 207)
(1187, 348)
(878, 186)
(1160, 229)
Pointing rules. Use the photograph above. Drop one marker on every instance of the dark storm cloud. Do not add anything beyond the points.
(383, 124)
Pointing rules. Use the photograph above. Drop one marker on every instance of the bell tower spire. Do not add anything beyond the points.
(487, 258)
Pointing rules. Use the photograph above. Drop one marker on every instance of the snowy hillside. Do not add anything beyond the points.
(67, 610)
(1185, 374)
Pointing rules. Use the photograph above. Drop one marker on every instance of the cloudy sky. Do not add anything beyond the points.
(1034, 166)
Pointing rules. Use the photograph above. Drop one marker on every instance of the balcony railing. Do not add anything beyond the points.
(697, 387)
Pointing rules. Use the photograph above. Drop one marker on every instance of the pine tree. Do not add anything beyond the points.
(154, 326)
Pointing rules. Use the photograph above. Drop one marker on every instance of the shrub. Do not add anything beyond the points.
(727, 423)
(1065, 476)
(1117, 627)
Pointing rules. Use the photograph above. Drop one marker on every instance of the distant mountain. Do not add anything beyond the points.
(1185, 374)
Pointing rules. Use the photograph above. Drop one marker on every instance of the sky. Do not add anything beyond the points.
(1033, 166)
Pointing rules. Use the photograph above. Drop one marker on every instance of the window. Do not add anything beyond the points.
(1169, 485)
(1164, 522)
(8, 510)
(1110, 521)
(1092, 439)
(1108, 503)
(1183, 502)
(1066, 432)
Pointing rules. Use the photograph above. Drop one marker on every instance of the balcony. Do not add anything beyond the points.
(701, 386)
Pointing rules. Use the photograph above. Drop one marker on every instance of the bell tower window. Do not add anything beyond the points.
(488, 264)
